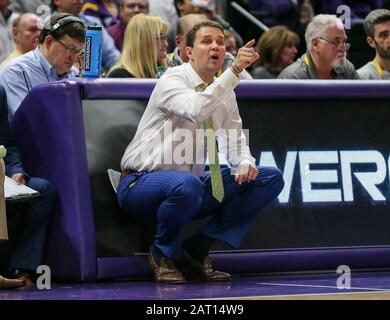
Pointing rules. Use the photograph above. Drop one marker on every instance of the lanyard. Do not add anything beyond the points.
(306, 59)
(379, 69)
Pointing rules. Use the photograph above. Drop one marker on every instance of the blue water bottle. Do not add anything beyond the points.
(93, 52)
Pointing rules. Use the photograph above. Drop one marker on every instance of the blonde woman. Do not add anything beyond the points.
(144, 49)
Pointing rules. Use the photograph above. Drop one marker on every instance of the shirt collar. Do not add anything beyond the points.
(194, 77)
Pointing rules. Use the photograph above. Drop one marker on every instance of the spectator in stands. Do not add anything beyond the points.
(27, 221)
(165, 9)
(107, 11)
(26, 30)
(144, 48)
(184, 24)
(163, 181)
(377, 27)
(24, 6)
(183, 7)
(327, 49)
(6, 41)
(278, 49)
(179, 56)
(60, 46)
(127, 10)
(230, 43)
(110, 54)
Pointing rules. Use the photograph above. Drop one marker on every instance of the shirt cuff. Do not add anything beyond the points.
(229, 79)
(247, 161)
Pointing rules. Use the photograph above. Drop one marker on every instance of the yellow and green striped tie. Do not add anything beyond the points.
(215, 169)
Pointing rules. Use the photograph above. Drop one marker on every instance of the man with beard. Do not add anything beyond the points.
(326, 52)
(377, 27)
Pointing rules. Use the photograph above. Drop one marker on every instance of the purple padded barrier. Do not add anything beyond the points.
(308, 89)
(248, 89)
(49, 128)
(118, 88)
(266, 261)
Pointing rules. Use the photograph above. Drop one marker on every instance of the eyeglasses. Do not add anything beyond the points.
(72, 51)
(338, 43)
(139, 5)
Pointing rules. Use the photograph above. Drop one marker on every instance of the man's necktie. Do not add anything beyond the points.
(215, 169)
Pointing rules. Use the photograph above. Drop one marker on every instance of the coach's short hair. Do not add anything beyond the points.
(190, 36)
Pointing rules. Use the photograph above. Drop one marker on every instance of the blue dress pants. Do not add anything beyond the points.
(170, 199)
(28, 223)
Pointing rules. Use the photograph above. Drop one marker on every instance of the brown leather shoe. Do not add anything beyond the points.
(167, 271)
(204, 271)
(6, 283)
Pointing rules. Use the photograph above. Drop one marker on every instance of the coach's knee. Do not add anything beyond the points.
(189, 190)
(277, 180)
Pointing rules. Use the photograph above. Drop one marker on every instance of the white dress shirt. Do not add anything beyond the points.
(169, 135)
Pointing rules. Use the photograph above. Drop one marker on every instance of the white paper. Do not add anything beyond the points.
(114, 177)
(17, 191)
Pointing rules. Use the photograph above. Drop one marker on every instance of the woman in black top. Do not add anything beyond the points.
(144, 48)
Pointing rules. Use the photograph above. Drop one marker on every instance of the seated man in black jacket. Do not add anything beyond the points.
(27, 221)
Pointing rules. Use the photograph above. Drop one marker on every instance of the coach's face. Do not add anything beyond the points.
(208, 52)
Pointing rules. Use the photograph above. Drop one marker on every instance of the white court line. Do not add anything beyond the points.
(316, 286)
(309, 295)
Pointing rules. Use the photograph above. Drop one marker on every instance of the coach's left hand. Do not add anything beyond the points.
(245, 173)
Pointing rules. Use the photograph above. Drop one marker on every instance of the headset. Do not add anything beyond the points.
(54, 29)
